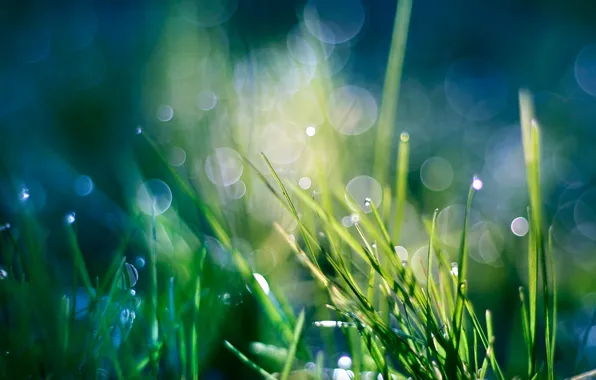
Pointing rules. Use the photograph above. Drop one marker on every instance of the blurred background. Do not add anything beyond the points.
(213, 81)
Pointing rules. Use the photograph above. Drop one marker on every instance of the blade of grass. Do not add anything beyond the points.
(391, 88)
(461, 293)
(525, 325)
(554, 298)
(401, 185)
(249, 363)
(489, 330)
(305, 235)
(319, 365)
(292, 350)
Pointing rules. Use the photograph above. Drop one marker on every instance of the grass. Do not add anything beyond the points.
(398, 321)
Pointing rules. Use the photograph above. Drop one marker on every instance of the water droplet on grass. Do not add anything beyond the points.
(70, 218)
(362, 189)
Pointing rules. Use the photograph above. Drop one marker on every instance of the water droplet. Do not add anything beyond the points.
(520, 226)
(401, 252)
(342, 374)
(165, 113)
(5, 227)
(130, 276)
(344, 362)
(70, 218)
(154, 197)
(224, 166)
(477, 183)
(310, 131)
(83, 185)
(352, 110)
(139, 130)
(404, 263)
(355, 218)
(362, 189)
(374, 245)
(262, 282)
(133, 292)
(24, 194)
(304, 183)
(226, 298)
(404, 137)
(454, 269)
(436, 174)
(3, 274)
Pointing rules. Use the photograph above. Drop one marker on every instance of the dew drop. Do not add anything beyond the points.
(138, 130)
(362, 189)
(24, 194)
(520, 226)
(344, 362)
(477, 183)
(454, 269)
(304, 183)
(262, 282)
(70, 218)
(3, 274)
(401, 252)
(310, 131)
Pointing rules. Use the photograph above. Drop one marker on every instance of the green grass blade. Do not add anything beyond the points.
(391, 88)
(491, 336)
(458, 313)
(305, 235)
(553, 336)
(525, 325)
(319, 365)
(292, 350)
(249, 363)
(403, 157)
